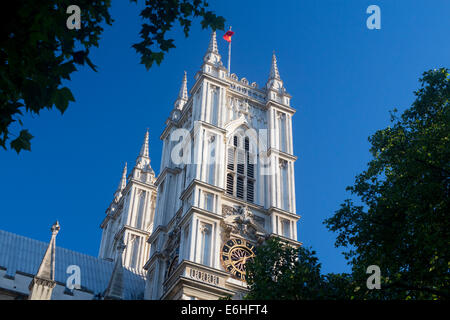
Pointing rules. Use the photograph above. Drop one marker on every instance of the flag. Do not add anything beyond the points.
(227, 36)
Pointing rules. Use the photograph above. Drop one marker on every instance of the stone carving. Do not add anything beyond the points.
(241, 221)
(204, 228)
(172, 244)
(282, 163)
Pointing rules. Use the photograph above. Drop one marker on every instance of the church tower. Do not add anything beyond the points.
(129, 217)
(226, 182)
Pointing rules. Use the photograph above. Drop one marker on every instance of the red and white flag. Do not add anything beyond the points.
(227, 36)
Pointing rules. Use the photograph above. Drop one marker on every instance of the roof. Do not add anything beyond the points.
(24, 255)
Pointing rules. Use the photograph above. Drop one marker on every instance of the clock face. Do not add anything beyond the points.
(235, 253)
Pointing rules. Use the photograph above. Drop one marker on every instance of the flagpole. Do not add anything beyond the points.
(229, 56)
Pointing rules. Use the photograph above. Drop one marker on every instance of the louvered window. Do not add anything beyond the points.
(230, 160)
(240, 188)
(230, 183)
(240, 161)
(250, 191)
(240, 170)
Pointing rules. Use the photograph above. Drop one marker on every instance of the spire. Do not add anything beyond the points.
(144, 148)
(114, 291)
(183, 94)
(274, 82)
(274, 74)
(213, 43)
(212, 54)
(122, 183)
(47, 267)
(143, 160)
(42, 285)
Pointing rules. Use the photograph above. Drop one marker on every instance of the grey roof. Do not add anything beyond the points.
(24, 255)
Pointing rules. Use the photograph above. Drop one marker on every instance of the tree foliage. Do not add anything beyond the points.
(282, 272)
(160, 16)
(38, 52)
(402, 224)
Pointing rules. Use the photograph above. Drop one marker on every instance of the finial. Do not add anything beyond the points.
(55, 228)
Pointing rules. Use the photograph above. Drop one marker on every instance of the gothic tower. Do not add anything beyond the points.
(129, 217)
(226, 183)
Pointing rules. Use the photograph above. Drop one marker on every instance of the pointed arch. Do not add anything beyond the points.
(242, 144)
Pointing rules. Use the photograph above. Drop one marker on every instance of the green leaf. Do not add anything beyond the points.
(61, 98)
(22, 142)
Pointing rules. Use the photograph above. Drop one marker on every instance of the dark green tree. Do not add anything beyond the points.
(38, 52)
(401, 222)
(282, 272)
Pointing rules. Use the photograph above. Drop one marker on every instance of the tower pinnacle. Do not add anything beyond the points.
(274, 73)
(143, 160)
(213, 43)
(274, 82)
(183, 90)
(212, 54)
(43, 282)
(122, 183)
(183, 94)
(144, 148)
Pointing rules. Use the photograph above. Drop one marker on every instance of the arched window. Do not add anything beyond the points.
(240, 169)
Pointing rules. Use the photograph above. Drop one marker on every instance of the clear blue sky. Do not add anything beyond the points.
(343, 78)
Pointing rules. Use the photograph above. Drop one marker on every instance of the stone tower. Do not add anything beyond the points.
(226, 182)
(129, 217)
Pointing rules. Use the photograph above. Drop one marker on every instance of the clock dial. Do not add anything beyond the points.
(235, 254)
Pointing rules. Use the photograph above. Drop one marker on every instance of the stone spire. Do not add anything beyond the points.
(274, 74)
(41, 287)
(183, 94)
(213, 43)
(274, 82)
(143, 163)
(143, 159)
(114, 291)
(144, 148)
(122, 183)
(212, 54)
